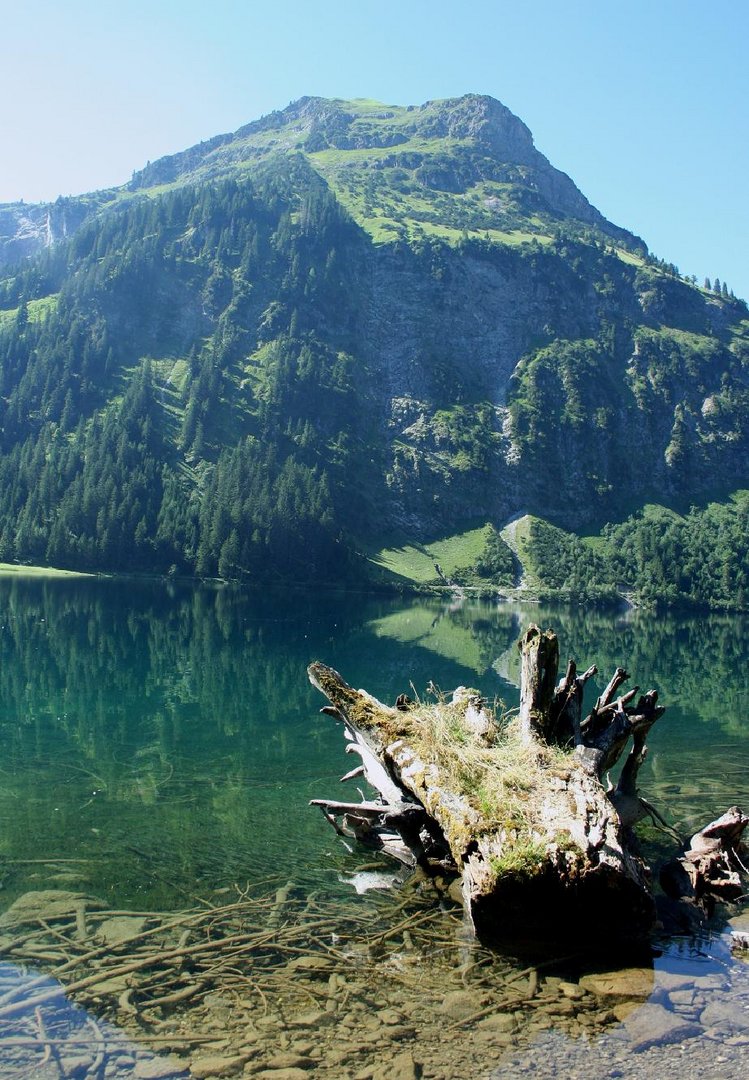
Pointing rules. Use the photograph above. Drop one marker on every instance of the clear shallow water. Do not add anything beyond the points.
(160, 743)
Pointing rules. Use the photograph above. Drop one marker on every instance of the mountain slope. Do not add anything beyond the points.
(348, 325)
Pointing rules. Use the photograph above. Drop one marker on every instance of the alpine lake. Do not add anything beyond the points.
(159, 857)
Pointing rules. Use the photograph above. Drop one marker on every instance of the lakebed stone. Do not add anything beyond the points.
(401, 1067)
(459, 1004)
(627, 983)
(202, 1068)
(498, 1023)
(652, 1025)
(47, 905)
(120, 928)
(283, 1074)
(740, 922)
(156, 1068)
(389, 1016)
(669, 981)
(730, 1016)
(620, 1010)
(290, 1060)
(682, 999)
(313, 1019)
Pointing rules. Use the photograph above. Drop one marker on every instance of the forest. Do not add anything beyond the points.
(657, 556)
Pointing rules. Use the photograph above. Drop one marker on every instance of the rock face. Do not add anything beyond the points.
(28, 228)
(473, 413)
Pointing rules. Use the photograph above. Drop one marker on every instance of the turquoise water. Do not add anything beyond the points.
(166, 736)
(160, 742)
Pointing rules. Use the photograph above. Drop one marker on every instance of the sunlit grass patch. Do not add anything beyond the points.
(502, 774)
(37, 310)
(18, 570)
(416, 562)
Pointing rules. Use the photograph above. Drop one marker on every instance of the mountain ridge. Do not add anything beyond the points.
(313, 125)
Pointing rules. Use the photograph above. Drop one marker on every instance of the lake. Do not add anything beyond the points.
(160, 745)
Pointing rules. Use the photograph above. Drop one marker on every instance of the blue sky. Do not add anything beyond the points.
(644, 104)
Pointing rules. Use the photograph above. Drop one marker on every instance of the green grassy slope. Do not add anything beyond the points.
(415, 563)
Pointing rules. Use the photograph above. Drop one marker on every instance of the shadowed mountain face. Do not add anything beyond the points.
(347, 322)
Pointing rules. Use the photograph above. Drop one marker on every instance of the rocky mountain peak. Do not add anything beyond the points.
(332, 123)
(481, 118)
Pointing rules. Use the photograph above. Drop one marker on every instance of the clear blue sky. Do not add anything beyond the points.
(642, 102)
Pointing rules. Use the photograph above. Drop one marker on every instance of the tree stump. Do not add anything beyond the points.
(521, 808)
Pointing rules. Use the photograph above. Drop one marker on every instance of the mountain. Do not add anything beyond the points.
(344, 328)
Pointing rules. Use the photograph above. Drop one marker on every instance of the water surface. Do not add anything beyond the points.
(160, 743)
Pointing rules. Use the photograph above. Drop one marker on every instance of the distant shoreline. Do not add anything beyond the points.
(487, 591)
